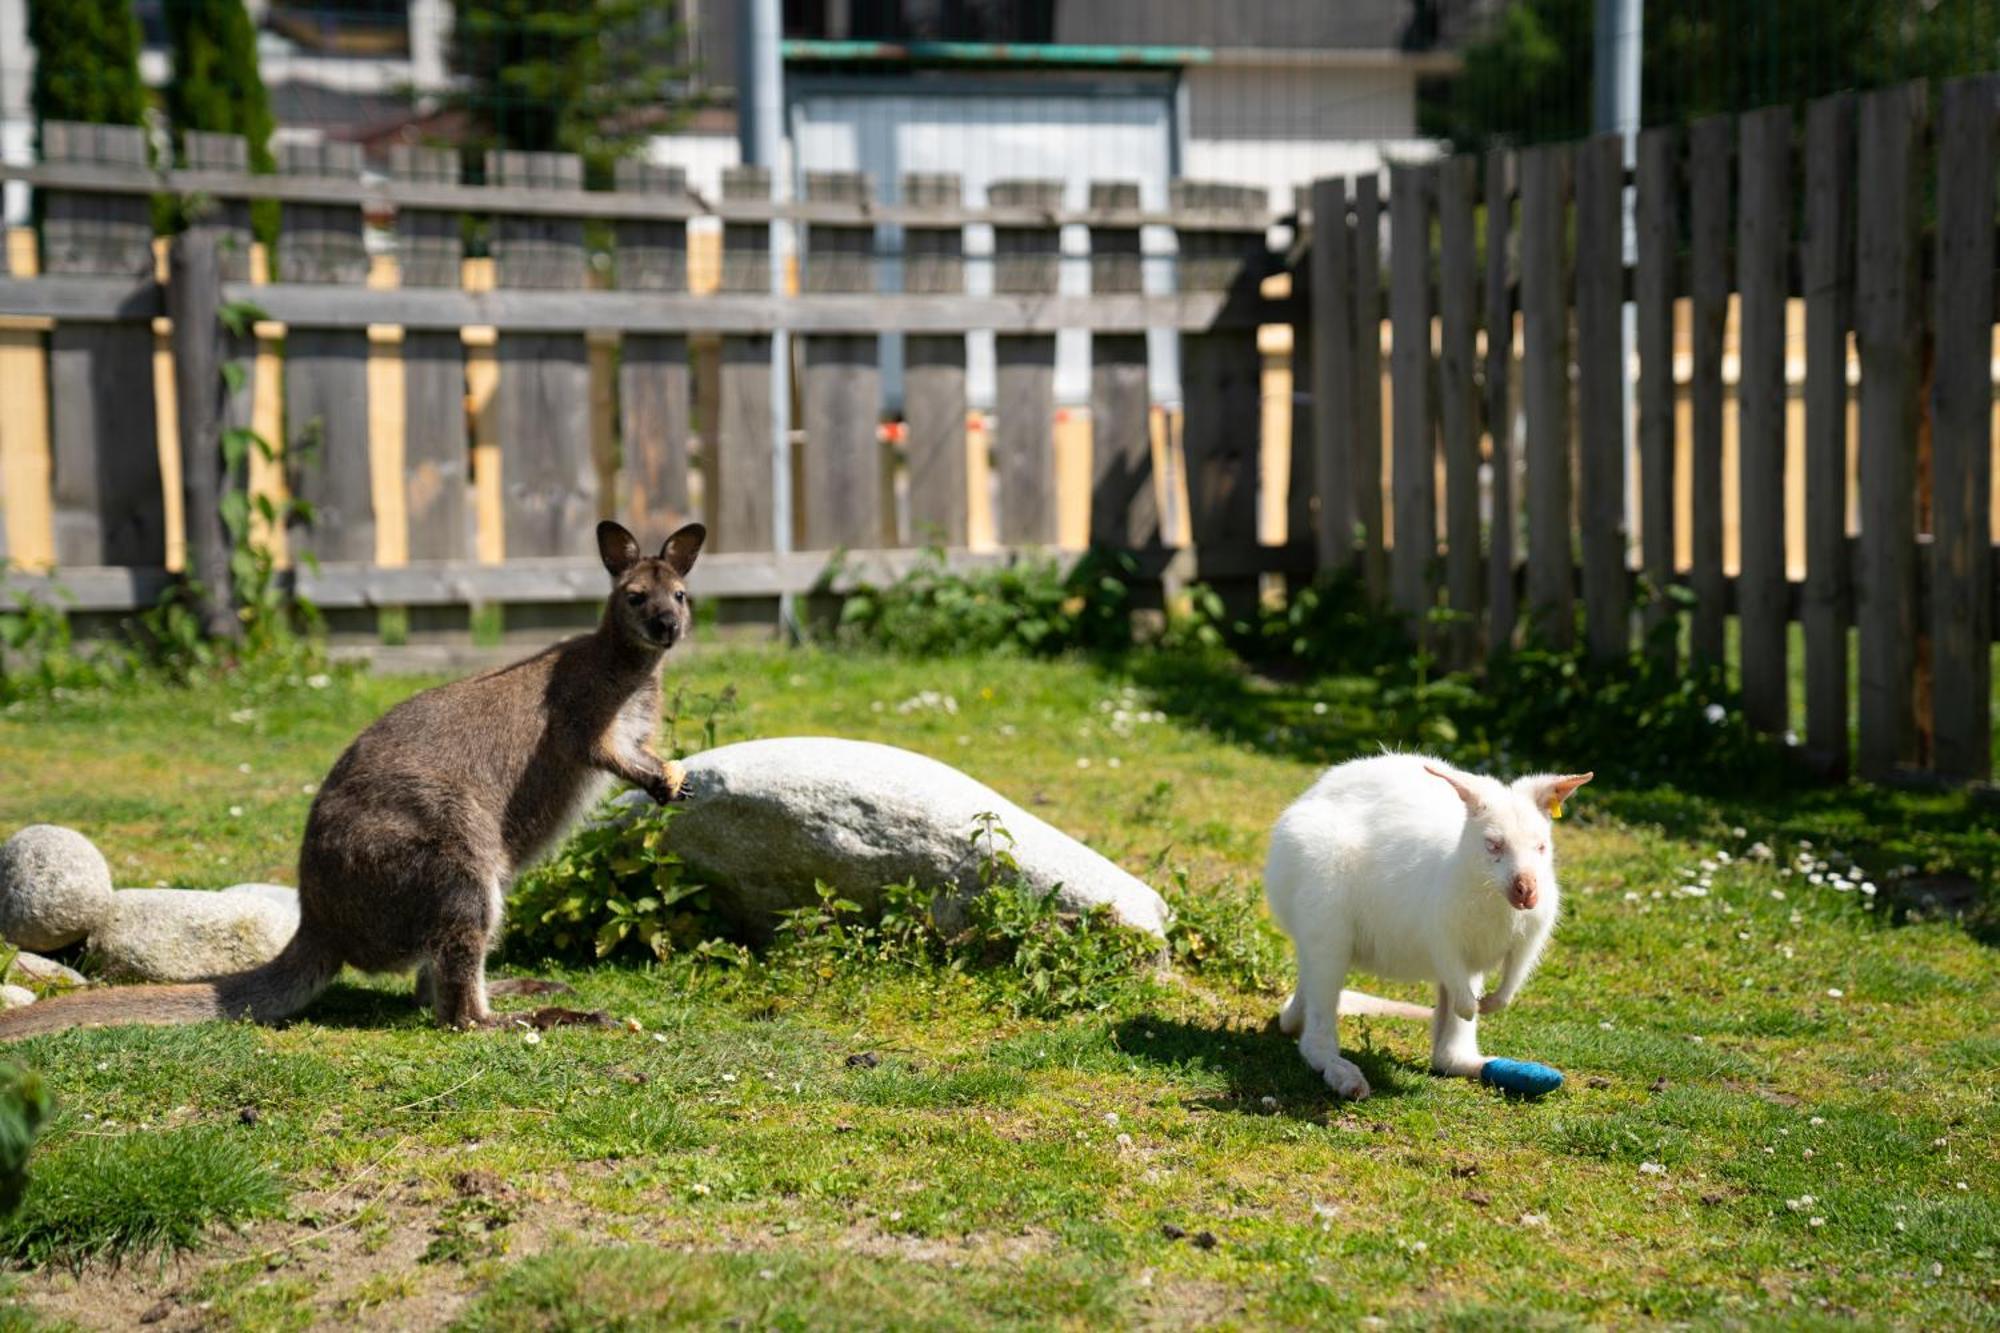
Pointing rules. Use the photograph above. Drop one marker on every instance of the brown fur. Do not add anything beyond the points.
(428, 817)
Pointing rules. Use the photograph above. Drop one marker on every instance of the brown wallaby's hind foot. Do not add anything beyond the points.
(458, 980)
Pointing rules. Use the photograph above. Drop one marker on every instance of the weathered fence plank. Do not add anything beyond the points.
(1333, 373)
(1602, 535)
(934, 402)
(326, 370)
(1458, 298)
(436, 471)
(1411, 190)
(1658, 227)
(1222, 388)
(1503, 531)
(1366, 453)
(1024, 260)
(194, 300)
(1827, 262)
(547, 473)
(1962, 439)
(1545, 392)
(1123, 509)
(1711, 145)
(842, 504)
(737, 467)
(655, 415)
(1763, 258)
(1886, 332)
(105, 468)
(229, 218)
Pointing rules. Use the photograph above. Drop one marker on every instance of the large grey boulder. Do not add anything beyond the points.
(765, 819)
(189, 934)
(282, 896)
(54, 887)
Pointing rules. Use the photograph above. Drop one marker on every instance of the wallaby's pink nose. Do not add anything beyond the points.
(1523, 891)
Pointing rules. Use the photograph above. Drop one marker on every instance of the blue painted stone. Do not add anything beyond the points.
(1523, 1077)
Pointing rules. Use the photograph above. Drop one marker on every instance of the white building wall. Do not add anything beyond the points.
(1281, 126)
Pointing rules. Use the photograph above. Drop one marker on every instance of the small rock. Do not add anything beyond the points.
(1172, 1232)
(31, 969)
(157, 1313)
(863, 1060)
(247, 1116)
(13, 997)
(1660, 1083)
(189, 935)
(1464, 1170)
(55, 887)
(1597, 1081)
(1478, 1198)
(1204, 1240)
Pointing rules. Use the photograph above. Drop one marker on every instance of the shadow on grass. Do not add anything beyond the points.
(1254, 1064)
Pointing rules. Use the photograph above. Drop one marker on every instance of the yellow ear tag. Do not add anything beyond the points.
(1555, 810)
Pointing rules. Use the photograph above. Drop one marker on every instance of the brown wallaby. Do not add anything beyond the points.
(429, 815)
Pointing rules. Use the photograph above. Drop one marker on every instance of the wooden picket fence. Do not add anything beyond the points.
(1454, 431)
(499, 374)
(1872, 216)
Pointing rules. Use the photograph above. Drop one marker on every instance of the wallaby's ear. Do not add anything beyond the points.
(618, 548)
(681, 548)
(1549, 791)
(1473, 805)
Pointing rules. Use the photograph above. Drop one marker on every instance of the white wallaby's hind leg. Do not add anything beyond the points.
(1454, 1040)
(1319, 1036)
(1292, 1015)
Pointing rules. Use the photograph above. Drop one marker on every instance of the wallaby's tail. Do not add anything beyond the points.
(277, 990)
(1361, 1002)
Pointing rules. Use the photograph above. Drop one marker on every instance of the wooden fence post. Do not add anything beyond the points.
(1458, 410)
(1658, 225)
(436, 453)
(1300, 467)
(1962, 441)
(1602, 534)
(737, 466)
(1333, 373)
(842, 504)
(1025, 262)
(1413, 424)
(194, 298)
(1123, 508)
(1828, 265)
(934, 370)
(1763, 255)
(1711, 144)
(547, 473)
(326, 370)
(1367, 450)
(1503, 533)
(1886, 332)
(1222, 382)
(105, 458)
(1545, 393)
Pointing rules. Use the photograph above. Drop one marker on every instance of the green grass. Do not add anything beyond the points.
(996, 1170)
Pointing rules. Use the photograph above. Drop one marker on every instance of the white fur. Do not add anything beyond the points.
(1385, 866)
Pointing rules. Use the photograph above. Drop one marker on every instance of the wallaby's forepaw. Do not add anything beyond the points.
(1492, 1004)
(672, 784)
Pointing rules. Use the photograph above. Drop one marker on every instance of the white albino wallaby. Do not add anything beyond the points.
(1408, 868)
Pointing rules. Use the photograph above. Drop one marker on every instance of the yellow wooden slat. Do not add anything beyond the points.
(25, 467)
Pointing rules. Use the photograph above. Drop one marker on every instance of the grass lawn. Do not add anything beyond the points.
(1781, 1107)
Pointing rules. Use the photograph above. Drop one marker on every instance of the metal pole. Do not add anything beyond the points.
(1616, 47)
(760, 103)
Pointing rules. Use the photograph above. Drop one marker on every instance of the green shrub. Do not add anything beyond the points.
(614, 889)
(1029, 606)
(1034, 956)
(24, 1106)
